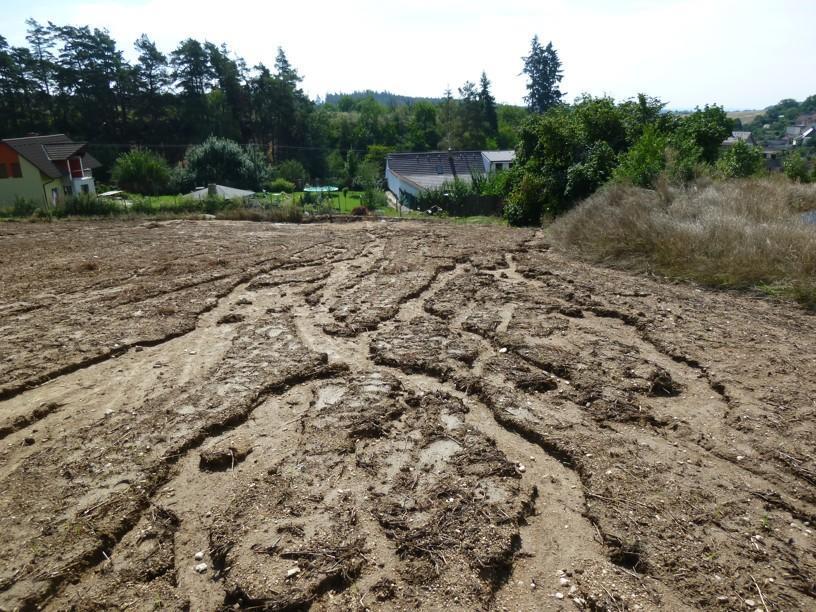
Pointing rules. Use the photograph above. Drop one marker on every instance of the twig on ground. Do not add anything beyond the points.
(759, 591)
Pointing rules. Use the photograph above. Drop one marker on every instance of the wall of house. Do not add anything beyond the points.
(399, 187)
(28, 186)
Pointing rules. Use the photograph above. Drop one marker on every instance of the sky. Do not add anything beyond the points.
(744, 54)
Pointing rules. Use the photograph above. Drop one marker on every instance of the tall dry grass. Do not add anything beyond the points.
(743, 234)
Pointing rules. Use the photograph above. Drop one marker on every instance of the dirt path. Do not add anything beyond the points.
(204, 416)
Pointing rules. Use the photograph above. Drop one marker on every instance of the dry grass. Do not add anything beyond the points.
(741, 234)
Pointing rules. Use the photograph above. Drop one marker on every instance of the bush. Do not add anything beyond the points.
(684, 161)
(280, 185)
(218, 160)
(739, 234)
(24, 207)
(796, 168)
(359, 211)
(373, 199)
(88, 205)
(528, 201)
(293, 171)
(740, 161)
(141, 171)
(644, 162)
(282, 214)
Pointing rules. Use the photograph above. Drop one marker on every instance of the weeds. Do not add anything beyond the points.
(737, 234)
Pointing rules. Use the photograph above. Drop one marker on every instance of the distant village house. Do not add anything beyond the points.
(46, 169)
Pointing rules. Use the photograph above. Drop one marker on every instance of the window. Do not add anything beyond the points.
(16, 171)
(499, 166)
(3, 171)
(85, 188)
(68, 190)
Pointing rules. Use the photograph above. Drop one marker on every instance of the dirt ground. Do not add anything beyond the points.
(391, 416)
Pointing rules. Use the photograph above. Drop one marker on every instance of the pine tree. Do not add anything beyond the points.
(543, 69)
(284, 70)
(488, 104)
(42, 42)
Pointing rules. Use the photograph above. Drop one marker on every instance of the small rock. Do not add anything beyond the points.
(292, 571)
(564, 581)
(750, 603)
(740, 457)
(520, 467)
(108, 412)
(503, 349)
(199, 555)
(29, 441)
(201, 568)
(224, 457)
(559, 595)
(722, 599)
(233, 317)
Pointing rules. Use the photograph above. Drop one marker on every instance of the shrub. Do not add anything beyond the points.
(141, 171)
(24, 207)
(280, 185)
(528, 201)
(796, 168)
(218, 160)
(644, 162)
(373, 199)
(740, 161)
(282, 214)
(88, 205)
(738, 234)
(359, 211)
(293, 171)
(684, 161)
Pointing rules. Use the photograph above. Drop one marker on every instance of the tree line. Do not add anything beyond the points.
(77, 80)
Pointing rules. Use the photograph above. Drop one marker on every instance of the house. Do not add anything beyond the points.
(408, 174)
(806, 136)
(498, 160)
(793, 132)
(45, 169)
(735, 137)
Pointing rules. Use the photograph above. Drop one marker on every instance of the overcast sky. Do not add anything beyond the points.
(741, 54)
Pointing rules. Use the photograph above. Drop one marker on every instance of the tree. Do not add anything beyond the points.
(488, 104)
(191, 68)
(141, 171)
(447, 119)
(285, 71)
(42, 42)
(423, 134)
(292, 170)
(350, 169)
(471, 127)
(152, 68)
(643, 163)
(218, 160)
(543, 70)
(740, 160)
(796, 167)
(707, 128)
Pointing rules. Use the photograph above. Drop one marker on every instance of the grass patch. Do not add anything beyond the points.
(746, 234)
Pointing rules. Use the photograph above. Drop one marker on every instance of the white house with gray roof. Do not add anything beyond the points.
(408, 174)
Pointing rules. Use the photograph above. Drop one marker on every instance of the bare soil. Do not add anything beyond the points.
(391, 416)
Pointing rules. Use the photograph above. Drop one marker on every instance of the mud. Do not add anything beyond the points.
(373, 416)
